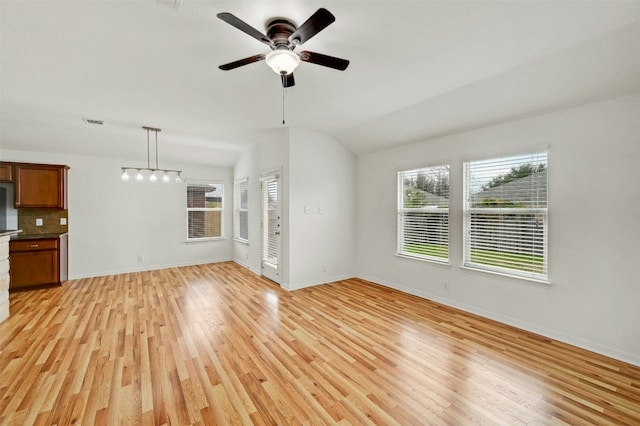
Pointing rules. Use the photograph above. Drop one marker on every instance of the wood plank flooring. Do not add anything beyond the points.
(215, 344)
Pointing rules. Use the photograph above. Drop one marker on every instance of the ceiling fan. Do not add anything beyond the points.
(283, 37)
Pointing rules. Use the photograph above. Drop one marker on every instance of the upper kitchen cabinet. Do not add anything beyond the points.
(6, 172)
(40, 185)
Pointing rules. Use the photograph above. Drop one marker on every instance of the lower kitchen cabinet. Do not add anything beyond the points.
(38, 262)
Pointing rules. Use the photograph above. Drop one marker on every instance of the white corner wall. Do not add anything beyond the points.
(594, 227)
(317, 173)
(321, 210)
(111, 223)
(263, 158)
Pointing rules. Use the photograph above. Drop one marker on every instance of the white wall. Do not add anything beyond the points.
(316, 172)
(321, 209)
(111, 222)
(594, 227)
(253, 164)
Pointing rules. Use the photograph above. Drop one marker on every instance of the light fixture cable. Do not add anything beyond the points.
(157, 130)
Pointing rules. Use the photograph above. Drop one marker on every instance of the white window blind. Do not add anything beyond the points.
(270, 220)
(204, 210)
(505, 215)
(423, 213)
(241, 209)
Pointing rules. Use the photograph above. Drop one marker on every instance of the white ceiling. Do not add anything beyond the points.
(419, 69)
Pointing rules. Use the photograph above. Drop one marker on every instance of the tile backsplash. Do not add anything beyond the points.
(50, 221)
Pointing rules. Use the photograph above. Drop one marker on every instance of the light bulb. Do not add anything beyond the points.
(165, 178)
(178, 180)
(125, 176)
(139, 176)
(153, 177)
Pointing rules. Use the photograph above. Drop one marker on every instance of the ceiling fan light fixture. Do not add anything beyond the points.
(282, 61)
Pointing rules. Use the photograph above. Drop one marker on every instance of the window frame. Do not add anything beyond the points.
(402, 211)
(204, 183)
(239, 186)
(541, 213)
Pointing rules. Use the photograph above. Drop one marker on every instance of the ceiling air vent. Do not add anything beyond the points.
(175, 4)
(90, 121)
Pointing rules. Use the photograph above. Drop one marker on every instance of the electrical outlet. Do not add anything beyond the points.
(324, 268)
(445, 285)
(63, 221)
(39, 222)
(140, 258)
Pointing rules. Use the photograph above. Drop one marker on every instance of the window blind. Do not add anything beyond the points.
(423, 213)
(270, 220)
(506, 216)
(204, 210)
(241, 201)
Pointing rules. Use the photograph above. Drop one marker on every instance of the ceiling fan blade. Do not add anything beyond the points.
(324, 60)
(241, 62)
(244, 27)
(287, 80)
(312, 26)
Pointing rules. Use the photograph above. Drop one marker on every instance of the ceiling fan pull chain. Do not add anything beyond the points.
(283, 89)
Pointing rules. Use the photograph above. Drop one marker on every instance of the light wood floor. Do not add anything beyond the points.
(215, 344)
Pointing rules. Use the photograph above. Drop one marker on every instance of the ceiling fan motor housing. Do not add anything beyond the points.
(279, 30)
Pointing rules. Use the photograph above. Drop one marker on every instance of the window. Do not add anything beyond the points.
(423, 213)
(241, 210)
(505, 215)
(204, 210)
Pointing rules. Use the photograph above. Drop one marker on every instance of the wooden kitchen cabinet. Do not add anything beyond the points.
(38, 262)
(40, 185)
(6, 172)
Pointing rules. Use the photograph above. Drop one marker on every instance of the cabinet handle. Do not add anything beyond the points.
(33, 245)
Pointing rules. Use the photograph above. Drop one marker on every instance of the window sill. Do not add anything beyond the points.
(238, 240)
(204, 240)
(541, 282)
(423, 259)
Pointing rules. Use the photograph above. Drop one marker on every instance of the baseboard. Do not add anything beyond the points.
(146, 268)
(514, 322)
(312, 283)
(247, 266)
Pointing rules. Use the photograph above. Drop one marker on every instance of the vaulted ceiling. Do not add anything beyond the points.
(419, 69)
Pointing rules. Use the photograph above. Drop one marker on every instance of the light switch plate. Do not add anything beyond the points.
(38, 222)
(63, 221)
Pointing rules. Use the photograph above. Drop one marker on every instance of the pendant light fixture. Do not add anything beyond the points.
(154, 172)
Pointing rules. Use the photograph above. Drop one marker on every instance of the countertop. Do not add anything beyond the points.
(5, 232)
(19, 237)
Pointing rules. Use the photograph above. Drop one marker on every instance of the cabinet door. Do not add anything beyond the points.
(40, 186)
(6, 172)
(30, 268)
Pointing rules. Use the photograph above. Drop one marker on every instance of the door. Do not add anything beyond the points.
(271, 237)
